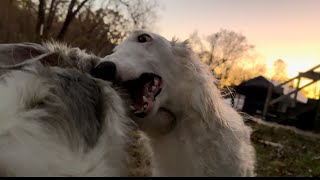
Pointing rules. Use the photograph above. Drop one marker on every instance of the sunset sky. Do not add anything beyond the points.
(286, 29)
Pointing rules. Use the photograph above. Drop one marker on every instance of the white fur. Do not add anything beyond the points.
(29, 148)
(204, 136)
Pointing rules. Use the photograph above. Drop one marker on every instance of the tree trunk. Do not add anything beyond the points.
(70, 16)
(41, 19)
(52, 12)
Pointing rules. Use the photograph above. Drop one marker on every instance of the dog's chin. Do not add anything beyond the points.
(153, 109)
(157, 123)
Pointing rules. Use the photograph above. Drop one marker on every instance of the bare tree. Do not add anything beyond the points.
(246, 69)
(223, 51)
(51, 15)
(45, 20)
(41, 19)
(279, 71)
(227, 46)
(95, 25)
(17, 16)
(70, 16)
(101, 29)
(141, 12)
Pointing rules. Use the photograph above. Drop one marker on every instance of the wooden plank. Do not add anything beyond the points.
(314, 68)
(314, 76)
(284, 96)
(311, 75)
(296, 93)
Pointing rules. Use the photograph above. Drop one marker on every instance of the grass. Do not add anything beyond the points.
(298, 155)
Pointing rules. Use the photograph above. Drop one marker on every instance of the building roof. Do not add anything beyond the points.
(263, 82)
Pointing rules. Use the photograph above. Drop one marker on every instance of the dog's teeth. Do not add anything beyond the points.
(156, 82)
(153, 88)
(132, 107)
(145, 99)
(145, 106)
(138, 111)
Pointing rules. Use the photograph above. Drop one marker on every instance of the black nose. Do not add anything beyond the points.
(106, 71)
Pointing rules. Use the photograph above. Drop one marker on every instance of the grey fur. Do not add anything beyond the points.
(83, 106)
(80, 93)
(15, 53)
(71, 123)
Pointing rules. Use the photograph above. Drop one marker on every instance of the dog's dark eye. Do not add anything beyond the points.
(143, 38)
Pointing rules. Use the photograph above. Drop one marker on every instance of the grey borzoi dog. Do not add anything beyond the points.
(55, 118)
(193, 131)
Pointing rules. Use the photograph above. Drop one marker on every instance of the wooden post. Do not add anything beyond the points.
(266, 103)
(296, 93)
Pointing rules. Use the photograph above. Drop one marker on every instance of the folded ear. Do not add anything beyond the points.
(16, 53)
(20, 55)
(45, 59)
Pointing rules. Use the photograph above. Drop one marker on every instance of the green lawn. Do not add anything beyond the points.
(291, 154)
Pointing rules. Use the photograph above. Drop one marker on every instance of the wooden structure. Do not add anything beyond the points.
(310, 74)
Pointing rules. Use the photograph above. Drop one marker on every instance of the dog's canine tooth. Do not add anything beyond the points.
(139, 111)
(132, 107)
(156, 82)
(145, 99)
(153, 88)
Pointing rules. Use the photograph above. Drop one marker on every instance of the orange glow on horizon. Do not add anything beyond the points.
(299, 57)
(287, 30)
(294, 65)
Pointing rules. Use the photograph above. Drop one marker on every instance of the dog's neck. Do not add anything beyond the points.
(196, 124)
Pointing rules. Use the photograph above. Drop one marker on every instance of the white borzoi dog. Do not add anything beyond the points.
(56, 119)
(193, 131)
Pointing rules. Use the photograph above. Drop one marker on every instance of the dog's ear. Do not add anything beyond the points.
(48, 59)
(181, 48)
(19, 55)
(16, 53)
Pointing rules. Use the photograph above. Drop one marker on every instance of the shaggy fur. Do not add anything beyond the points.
(57, 120)
(193, 131)
(56, 54)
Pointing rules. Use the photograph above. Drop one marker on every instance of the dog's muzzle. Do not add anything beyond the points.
(143, 90)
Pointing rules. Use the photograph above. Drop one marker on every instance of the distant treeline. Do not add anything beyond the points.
(90, 24)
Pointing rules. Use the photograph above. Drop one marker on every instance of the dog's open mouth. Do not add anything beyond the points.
(143, 92)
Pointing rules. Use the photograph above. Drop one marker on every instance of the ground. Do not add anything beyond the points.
(281, 151)
(285, 152)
